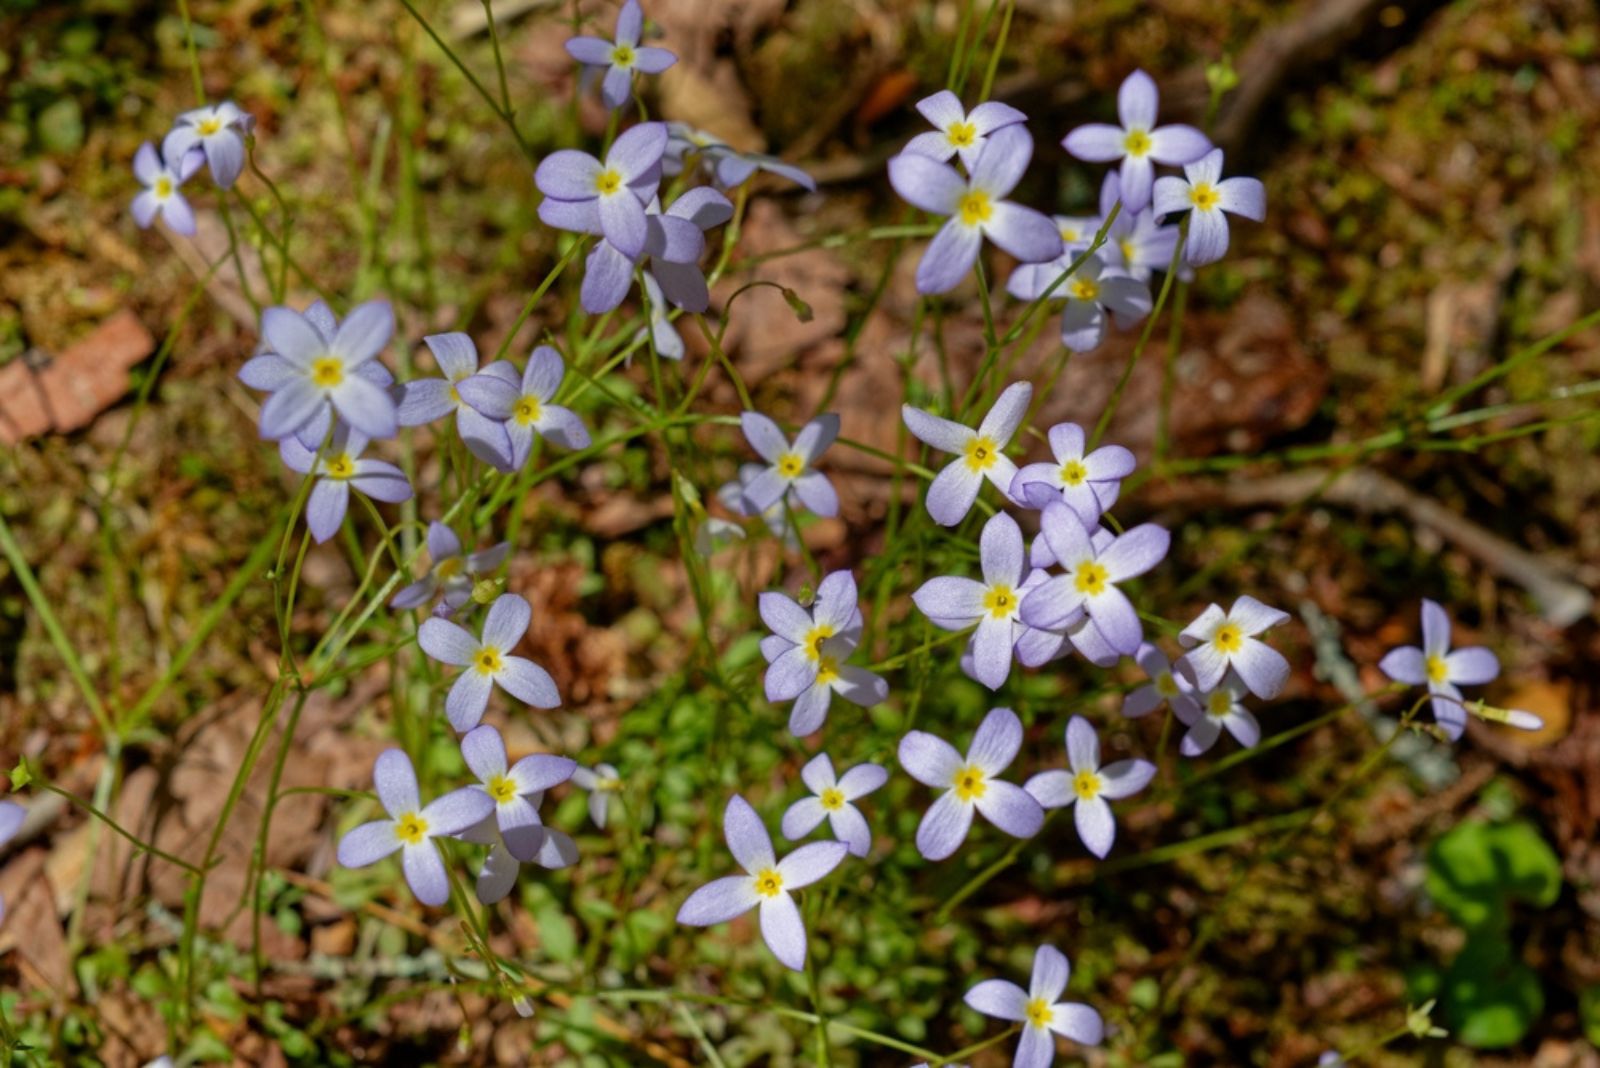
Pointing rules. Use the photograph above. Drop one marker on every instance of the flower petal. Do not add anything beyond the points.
(456, 811)
(447, 642)
(368, 844)
(1051, 970)
(999, 998)
(425, 873)
(528, 683)
(802, 817)
(484, 752)
(809, 863)
(468, 697)
(1011, 808)
(747, 836)
(1096, 826)
(719, 901)
(783, 929)
(1124, 778)
(949, 256)
(944, 826)
(1083, 745)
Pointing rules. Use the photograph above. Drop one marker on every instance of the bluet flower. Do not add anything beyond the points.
(621, 56)
(1093, 576)
(775, 516)
(791, 467)
(269, 372)
(855, 684)
(767, 884)
(161, 180)
(728, 167)
(1219, 640)
(449, 570)
(1205, 195)
(583, 194)
(1138, 142)
(501, 867)
(993, 605)
(423, 400)
(1039, 1009)
(674, 241)
(411, 828)
(1213, 712)
(488, 662)
(509, 787)
(522, 403)
(218, 131)
(339, 469)
(981, 452)
(797, 648)
(969, 782)
(315, 375)
(977, 207)
(1090, 292)
(1442, 670)
(1164, 688)
(1137, 244)
(957, 132)
(833, 798)
(1088, 787)
(601, 782)
(1087, 482)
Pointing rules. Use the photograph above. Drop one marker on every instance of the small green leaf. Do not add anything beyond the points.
(556, 933)
(1490, 997)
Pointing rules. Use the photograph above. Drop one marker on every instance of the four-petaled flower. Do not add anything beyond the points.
(728, 167)
(674, 240)
(1219, 640)
(621, 56)
(969, 783)
(977, 207)
(315, 373)
(1039, 1010)
(590, 197)
(422, 400)
(1090, 291)
(338, 469)
(980, 453)
(488, 662)
(790, 467)
(1093, 575)
(766, 884)
(957, 132)
(1205, 195)
(449, 570)
(218, 131)
(833, 798)
(1213, 711)
(269, 372)
(513, 827)
(1088, 786)
(1164, 687)
(522, 403)
(160, 196)
(601, 781)
(798, 649)
(411, 828)
(1138, 142)
(994, 605)
(1441, 669)
(1088, 483)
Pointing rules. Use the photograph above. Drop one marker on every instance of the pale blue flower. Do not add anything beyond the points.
(981, 452)
(621, 56)
(1088, 787)
(339, 469)
(970, 783)
(1039, 1009)
(488, 662)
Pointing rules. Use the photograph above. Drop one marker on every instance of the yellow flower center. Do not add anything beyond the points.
(327, 371)
(163, 187)
(1127, 250)
(1219, 703)
(1086, 784)
(999, 601)
(1137, 143)
(814, 639)
(962, 134)
(526, 411)
(982, 453)
(790, 464)
(1083, 289)
(1203, 195)
(607, 182)
(1228, 639)
(449, 567)
(1090, 578)
(1069, 233)
(1166, 685)
(487, 661)
(832, 799)
(610, 786)
(207, 127)
(975, 208)
(340, 466)
(1040, 1013)
(1438, 670)
(501, 789)
(411, 828)
(1073, 473)
(827, 669)
(769, 883)
(970, 783)
(623, 55)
